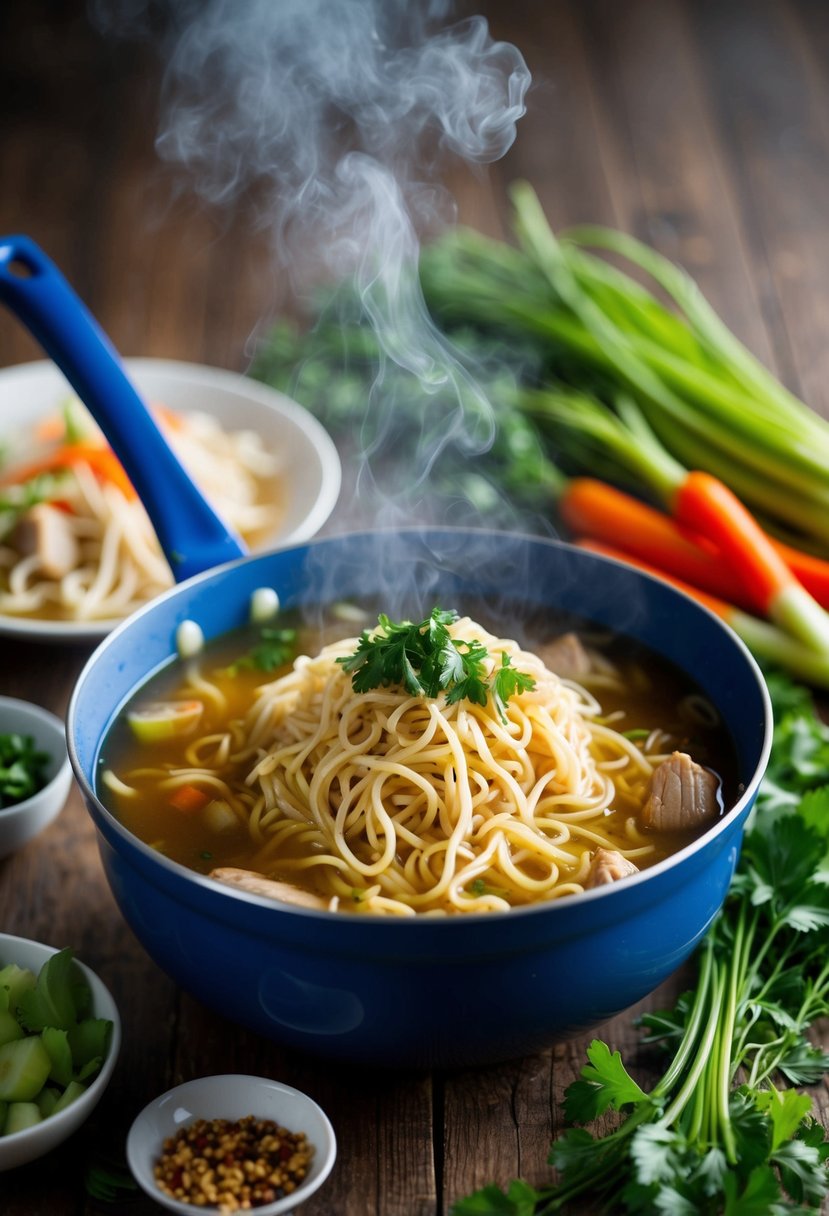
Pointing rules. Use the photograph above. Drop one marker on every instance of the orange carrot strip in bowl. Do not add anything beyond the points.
(102, 460)
(188, 799)
(166, 416)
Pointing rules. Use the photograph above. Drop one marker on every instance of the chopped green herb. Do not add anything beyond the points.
(275, 648)
(22, 768)
(17, 499)
(426, 660)
(107, 1178)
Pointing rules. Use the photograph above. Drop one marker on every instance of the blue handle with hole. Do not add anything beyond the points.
(193, 536)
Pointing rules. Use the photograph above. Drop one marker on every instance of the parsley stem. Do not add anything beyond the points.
(692, 1029)
(726, 1042)
(703, 1053)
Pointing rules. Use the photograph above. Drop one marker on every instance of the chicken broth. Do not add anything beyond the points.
(189, 769)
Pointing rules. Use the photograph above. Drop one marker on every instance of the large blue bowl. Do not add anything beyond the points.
(461, 990)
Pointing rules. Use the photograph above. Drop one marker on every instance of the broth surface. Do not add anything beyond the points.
(640, 694)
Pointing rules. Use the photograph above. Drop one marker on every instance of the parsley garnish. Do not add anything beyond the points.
(275, 648)
(23, 768)
(723, 1130)
(426, 660)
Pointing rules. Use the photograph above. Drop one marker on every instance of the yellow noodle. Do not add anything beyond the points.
(423, 806)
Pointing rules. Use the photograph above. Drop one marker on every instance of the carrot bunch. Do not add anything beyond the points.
(775, 597)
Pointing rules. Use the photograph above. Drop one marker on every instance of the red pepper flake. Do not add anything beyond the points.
(252, 1162)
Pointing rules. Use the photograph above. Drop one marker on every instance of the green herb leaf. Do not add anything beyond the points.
(426, 660)
(614, 1086)
(786, 1109)
(55, 998)
(520, 1199)
(275, 648)
(23, 768)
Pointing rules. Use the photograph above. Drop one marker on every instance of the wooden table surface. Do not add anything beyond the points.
(703, 127)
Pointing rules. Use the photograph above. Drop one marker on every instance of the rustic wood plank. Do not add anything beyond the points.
(767, 92)
(674, 191)
(561, 144)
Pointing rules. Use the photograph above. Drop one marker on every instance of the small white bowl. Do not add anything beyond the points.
(24, 1146)
(309, 465)
(230, 1097)
(21, 822)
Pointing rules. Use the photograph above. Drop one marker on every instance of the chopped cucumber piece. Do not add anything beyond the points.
(89, 1041)
(24, 1067)
(21, 1115)
(47, 1100)
(10, 1028)
(73, 1090)
(56, 1043)
(16, 980)
(158, 720)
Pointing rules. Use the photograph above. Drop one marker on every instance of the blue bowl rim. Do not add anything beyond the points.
(557, 907)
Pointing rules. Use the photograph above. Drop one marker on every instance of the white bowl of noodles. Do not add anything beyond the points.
(86, 556)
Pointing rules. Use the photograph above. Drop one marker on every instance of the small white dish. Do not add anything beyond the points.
(308, 460)
(21, 1147)
(22, 821)
(230, 1097)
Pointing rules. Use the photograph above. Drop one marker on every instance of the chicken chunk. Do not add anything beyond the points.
(608, 866)
(566, 656)
(46, 532)
(259, 884)
(683, 795)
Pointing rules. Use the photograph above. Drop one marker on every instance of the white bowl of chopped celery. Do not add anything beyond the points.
(35, 773)
(59, 1039)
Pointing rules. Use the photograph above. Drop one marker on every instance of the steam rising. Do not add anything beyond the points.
(283, 92)
(338, 115)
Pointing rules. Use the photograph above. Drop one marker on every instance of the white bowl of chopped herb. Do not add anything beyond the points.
(225, 1143)
(35, 773)
(60, 1034)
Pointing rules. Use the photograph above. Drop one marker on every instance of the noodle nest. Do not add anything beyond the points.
(385, 802)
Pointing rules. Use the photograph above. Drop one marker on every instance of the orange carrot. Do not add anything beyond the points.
(703, 502)
(166, 416)
(601, 511)
(813, 572)
(764, 639)
(714, 602)
(50, 429)
(596, 509)
(188, 799)
(101, 460)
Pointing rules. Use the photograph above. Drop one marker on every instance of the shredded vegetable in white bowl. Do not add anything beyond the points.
(77, 550)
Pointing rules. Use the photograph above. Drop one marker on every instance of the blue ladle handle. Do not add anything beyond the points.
(192, 535)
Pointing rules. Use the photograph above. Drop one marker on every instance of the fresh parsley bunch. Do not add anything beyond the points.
(724, 1132)
(426, 660)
